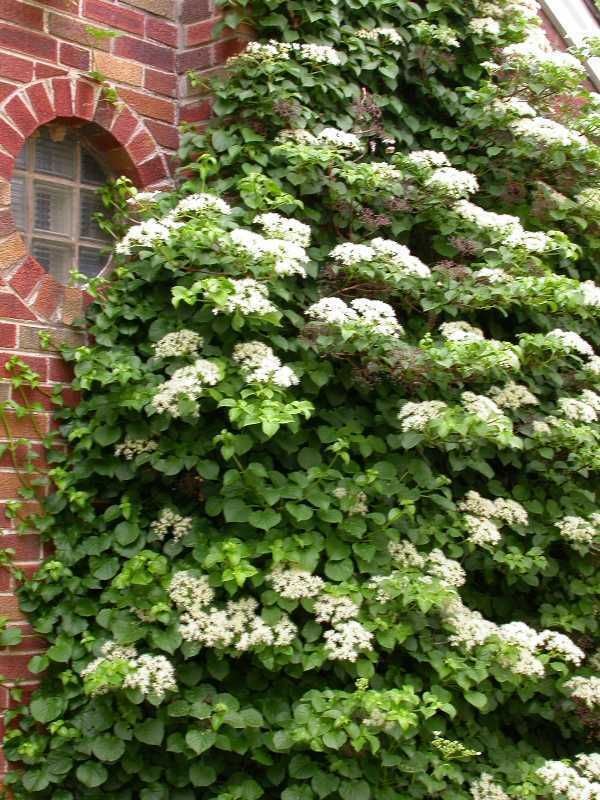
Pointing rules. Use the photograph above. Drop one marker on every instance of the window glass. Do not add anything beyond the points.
(54, 199)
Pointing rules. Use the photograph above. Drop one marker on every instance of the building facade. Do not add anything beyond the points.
(88, 88)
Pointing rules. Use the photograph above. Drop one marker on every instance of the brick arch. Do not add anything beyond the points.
(118, 134)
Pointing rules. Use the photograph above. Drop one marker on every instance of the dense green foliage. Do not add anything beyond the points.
(267, 577)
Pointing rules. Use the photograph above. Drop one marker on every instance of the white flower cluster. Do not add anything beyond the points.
(460, 332)
(447, 570)
(169, 522)
(548, 133)
(248, 297)
(147, 234)
(395, 256)
(452, 183)
(589, 199)
(362, 315)
(578, 530)
(536, 54)
(295, 584)
(332, 609)
(513, 396)
(509, 106)
(201, 204)
(277, 227)
(142, 198)
(278, 51)
(585, 408)
(572, 341)
(338, 138)
(236, 625)
(589, 765)
(288, 257)
(485, 788)
(405, 554)
(427, 158)
(491, 275)
(178, 343)
(506, 226)
(153, 675)
(471, 629)
(346, 640)
(260, 365)
(375, 34)
(359, 500)
(585, 689)
(483, 407)
(131, 448)
(185, 383)
(566, 783)
(417, 416)
(590, 294)
(485, 26)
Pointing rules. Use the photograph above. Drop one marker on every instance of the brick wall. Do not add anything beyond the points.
(45, 55)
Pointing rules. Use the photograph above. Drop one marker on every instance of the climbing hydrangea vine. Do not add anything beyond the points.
(326, 526)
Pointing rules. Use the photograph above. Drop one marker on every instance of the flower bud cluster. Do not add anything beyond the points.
(185, 383)
(260, 365)
(170, 522)
(178, 343)
(131, 448)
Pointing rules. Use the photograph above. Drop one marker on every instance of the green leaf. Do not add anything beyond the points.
(107, 434)
(91, 774)
(46, 709)
(200, 740)
(201, 775)
(150, 732)
(477, 699)
(108, 748)
(355, 790)
(264, 520)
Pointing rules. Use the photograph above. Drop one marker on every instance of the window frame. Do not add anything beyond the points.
(25, 169)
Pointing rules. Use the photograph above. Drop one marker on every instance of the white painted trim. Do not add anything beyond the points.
(575, 21)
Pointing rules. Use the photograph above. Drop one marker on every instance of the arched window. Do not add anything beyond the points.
(54, 198)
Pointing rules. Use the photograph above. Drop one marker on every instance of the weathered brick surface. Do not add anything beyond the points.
(45, 55)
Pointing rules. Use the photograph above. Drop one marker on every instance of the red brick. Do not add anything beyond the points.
(63, 97)
(6, 582)
(48, 297)
(141, 147)
(21, 14)
(74, 56)
(10, 484)
(198, 58)
(25, 427)
(7, 164)
(34, 44)
(85, 100)
(161, 31)
(29, 644)
(200, 32)
(7, 224)
(153, 171)
(21, 116)
(161, 82)
(37, 363)
(32, 397)
(8, 335)
(199, 111)
(40, 102)
(15, 667)
(59, 371)
(227, 48)
(17, 69)
(154, 55)
(10, 140)
(27, 277)
(105, 114)
(149, 106)
(194, 10)
(12, 308)
(46, 71)
(165, 135)
(22, 454)
(121, 19)
(5, 90)
(124, 126)
(75, 31)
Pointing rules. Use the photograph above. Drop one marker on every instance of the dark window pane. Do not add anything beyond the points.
(89, 205)
(52, 208)
(91, 261)
(91, 171)
(57, 259)
(21, 159)
(55, 158)
(17, 202)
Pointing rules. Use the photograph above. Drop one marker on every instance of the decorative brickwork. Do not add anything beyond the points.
(46, 51)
